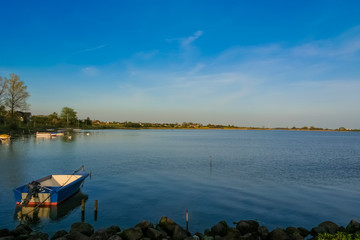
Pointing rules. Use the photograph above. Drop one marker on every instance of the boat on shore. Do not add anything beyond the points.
(50, 190)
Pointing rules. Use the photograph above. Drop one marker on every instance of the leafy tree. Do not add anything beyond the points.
(87, 121)
(68, 115)
(15, 95)
(53, 119)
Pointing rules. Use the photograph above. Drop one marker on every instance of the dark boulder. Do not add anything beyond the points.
(21, 229)
(102, 234)
(144, 225)
(115, 237)
(38, 236)
(179, 233)
(232, 234)
(75, 235)
(296, 236)
(278, 234)
(83, 228)
(7, 238)
(353, 226)
(168, 225)
(303, 231)
(59, 234)
(249, 236)
(291, 230)
(113, 230)
(249, 226)
(134, 233)
(263, 232)
(155, 234)
(4, 232)
(325, 227)
(220, 229)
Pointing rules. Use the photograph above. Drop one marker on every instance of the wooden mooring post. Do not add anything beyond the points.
(83, 210)
(95, 210)
(187, 220)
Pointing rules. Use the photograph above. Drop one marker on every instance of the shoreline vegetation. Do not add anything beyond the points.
(166, 228)
(32, 128)
(15, 121)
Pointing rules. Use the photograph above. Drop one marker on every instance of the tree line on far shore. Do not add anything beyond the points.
(13, 115)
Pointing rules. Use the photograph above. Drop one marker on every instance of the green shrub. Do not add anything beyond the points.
(338, 236)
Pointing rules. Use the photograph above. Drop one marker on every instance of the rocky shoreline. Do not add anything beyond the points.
(168, 229)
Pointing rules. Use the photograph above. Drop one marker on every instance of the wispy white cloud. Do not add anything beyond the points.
(146, 55)
(94, 48)
(90, 71)
(188, 40)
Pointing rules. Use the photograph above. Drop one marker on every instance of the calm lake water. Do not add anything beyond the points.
(280, 178)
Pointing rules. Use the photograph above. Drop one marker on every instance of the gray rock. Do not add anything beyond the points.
(168, 225)
(22, 237)
(303, 231)
(248, 236)
(113, 230)
(83, 228)
(194, 237)
(7, 238)
(278, 234)
(155, 234)
(75, 235)
(232, 233)
(38, 236)
(199, 234)
(4, 232)
(134, 233)
(249, 226)
(206, 237)
(295, 236)
(353, 226)
(21, 230)
(220, 229)
(59, 234)
(102, 234)
(62, 238)
(115, 237)
(330, 227)
(144, 225)
(263, 232)
(179, 233)
(325, 227)
(291, 230)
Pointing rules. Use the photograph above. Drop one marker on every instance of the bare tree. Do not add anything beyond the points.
(2, 91)
(16, 94)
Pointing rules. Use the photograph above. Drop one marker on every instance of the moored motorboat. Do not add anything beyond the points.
(43, 135)
(50, 190)
(5, 137)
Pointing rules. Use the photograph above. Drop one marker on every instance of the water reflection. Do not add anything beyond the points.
(34, 215)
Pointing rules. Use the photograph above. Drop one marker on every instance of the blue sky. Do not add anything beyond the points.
(247, 63)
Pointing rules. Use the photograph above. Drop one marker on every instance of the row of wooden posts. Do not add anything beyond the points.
(96, 213)
(83, 210)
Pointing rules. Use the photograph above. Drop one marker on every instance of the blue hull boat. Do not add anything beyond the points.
(49, 190)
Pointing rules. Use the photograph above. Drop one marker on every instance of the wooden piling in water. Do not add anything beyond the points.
(83, 210)
(187, 220)
(95, 210)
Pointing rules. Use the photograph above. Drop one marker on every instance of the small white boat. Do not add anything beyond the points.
(43, 135)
